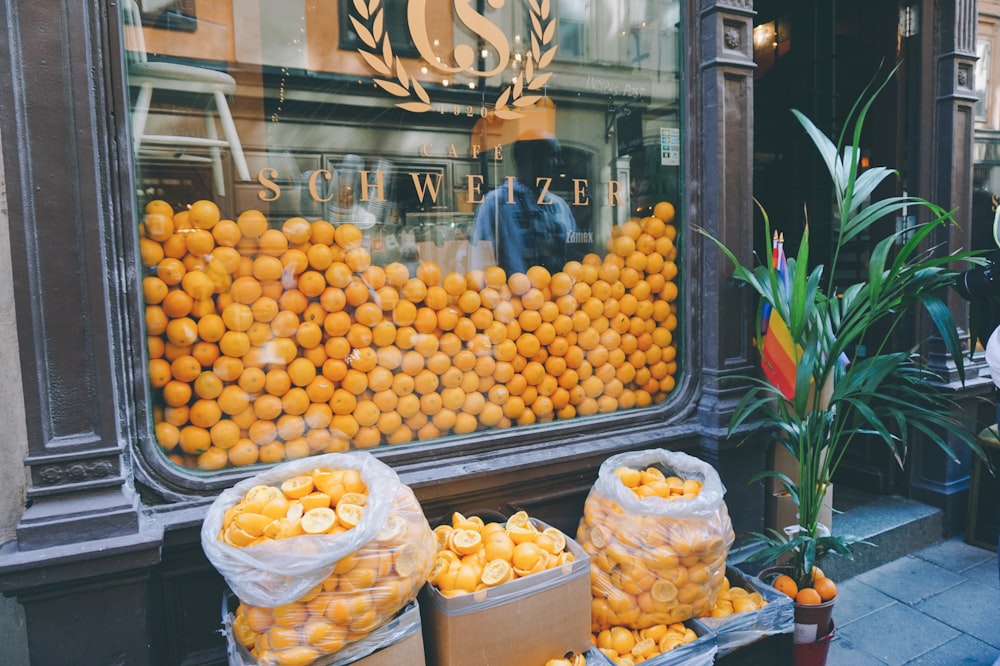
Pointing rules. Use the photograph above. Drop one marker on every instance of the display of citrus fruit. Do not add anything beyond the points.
(474, 555)
(648, 566)
(366, 587)
(735, 599)
(625, 647)
(283, 294)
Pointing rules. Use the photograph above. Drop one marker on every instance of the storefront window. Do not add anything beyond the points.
(370, 223)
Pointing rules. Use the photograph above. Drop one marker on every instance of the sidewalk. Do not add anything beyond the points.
(938, 605)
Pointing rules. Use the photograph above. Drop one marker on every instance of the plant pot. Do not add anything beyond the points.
(813, 621)
(814, 653)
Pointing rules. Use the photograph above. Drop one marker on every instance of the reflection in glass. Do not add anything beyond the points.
(339, 293)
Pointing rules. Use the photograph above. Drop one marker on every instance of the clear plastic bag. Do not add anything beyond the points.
(654, 561)
(740, 629)
(312, 595)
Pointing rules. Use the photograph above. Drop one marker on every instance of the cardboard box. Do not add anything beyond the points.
(780, 508)
(742, 629)
(399, 641)
(521, 623)
(699, 652)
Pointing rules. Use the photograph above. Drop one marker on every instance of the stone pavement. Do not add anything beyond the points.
(939, 605)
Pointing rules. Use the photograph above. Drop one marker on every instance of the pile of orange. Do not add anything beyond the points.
(736, 599)
(820, 590)
(267, 344)
(366, 588)
(625, 646)
(573, 660)
(475, 555)
(649, 569)
(652, 482)
(323, 502)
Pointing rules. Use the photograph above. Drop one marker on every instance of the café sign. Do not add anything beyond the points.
(395, 79)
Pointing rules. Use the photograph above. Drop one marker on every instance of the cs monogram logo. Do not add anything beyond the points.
(396, 81)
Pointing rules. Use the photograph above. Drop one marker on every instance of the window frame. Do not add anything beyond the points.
(442, 457)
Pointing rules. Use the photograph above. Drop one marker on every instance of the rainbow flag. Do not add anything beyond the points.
(777, 348)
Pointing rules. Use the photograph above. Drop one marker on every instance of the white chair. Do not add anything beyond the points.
(192, 83)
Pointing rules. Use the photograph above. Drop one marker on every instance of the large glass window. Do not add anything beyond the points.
(373, 224)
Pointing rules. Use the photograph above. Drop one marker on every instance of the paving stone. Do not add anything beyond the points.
(910, 579)
(986, 573)
(856, 600)
(969, 608)
(961, 651)
(955, 555)
(897, 634)
(845, 653)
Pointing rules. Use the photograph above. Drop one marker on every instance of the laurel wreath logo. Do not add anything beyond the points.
(398, 82)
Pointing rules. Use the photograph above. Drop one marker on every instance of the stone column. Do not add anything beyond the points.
(720, 191)
(81, 525)
(947, 38)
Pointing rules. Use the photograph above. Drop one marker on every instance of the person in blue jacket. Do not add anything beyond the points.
(526, 222)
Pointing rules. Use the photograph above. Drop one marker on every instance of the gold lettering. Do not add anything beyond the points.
(264, 177)
(313, 192)
(431, 185)
(614, 193)
(544, 182)
(425, 150)
(510, 189)
(379, 185)
(475, 150)
(498, 153)
(464, 55)
(580, 197)
(475, 182)
(452, 152)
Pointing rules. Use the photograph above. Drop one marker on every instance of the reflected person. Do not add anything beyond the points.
(525, 221)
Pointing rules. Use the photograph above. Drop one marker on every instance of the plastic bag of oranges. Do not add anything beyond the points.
(657, 531)
(320, 552)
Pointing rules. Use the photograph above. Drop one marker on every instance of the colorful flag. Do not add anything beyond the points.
(777, 348)
(766, 311)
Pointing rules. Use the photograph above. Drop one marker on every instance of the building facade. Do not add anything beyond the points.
(399, 129)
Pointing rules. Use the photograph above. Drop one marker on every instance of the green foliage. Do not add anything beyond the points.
(889, 394)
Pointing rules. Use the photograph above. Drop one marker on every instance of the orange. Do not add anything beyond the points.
(786, 584)
(347, 236)
(245, 290)
(195, 440)
(430, 273)
(150, 252)
(561, 284)
(825, 587)
(272, 242)
(226, 233)
(664, 211)
(199, 242)
(158, 226)
(203, 214)
(358, 259)
(338, 275)
(808, 596)
(297, 230)
(167, 435)
(368, 314)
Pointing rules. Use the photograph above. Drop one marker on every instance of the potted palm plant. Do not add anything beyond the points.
(817, 397)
